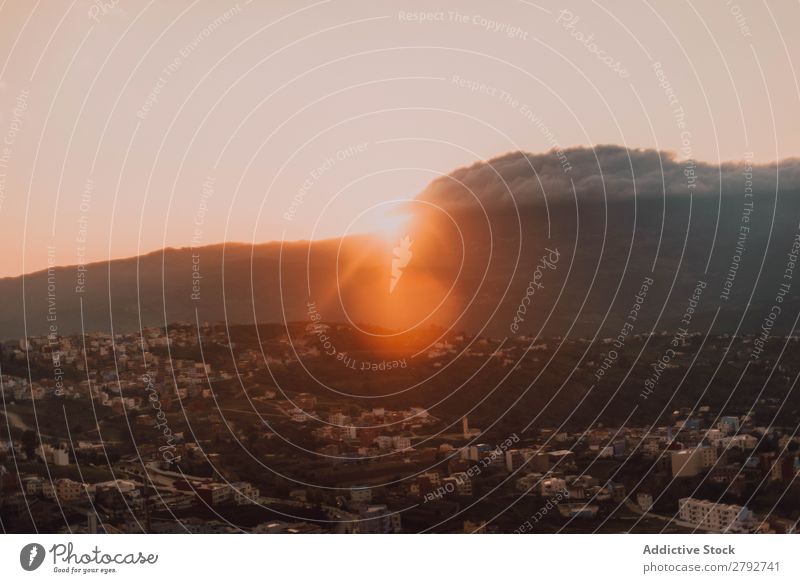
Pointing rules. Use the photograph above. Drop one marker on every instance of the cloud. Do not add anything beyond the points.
(611, 172)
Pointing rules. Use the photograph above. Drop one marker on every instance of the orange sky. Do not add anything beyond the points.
(131, 127)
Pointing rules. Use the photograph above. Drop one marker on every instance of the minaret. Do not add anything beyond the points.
(465, 425)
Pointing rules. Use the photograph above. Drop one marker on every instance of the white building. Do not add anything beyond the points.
(743, 442)
(33, 485)
(713, 517)
(401, 442)
(606, 452)
(245, 493)
(60, 457)
(339, 419)
(56, 456)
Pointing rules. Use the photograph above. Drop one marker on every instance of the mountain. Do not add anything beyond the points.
(583, 229)
(715, 245)
(233, 282)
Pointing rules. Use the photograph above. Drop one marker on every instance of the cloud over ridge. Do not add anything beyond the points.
(610, 172)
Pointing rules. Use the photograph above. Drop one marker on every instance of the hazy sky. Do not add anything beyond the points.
(138, 125)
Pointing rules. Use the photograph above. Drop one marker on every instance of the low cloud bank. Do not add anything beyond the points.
(613, 173)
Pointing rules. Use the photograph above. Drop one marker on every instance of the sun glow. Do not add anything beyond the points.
(391, 225)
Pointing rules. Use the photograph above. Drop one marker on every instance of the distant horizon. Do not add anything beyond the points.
(334, 237)
(182, 248)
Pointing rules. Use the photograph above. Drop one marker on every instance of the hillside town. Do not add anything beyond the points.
(190, 431)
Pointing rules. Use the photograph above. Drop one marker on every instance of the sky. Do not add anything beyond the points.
(126, 126)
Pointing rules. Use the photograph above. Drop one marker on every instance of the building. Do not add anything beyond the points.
(360, 496)
(434, 478)
(117, 495)
(339, 419)
(56, 456)
(305, 401)
(563, 458)
(462, 485)
(298, 416)
(576, 491)
(514, 459)
(685, 464)
(728, 425)
(468, 433)
(64, 489)
(690, 462)
(528, 483)
(579, 510)
(651, 446)
(60, 457)
(32, 485)
(401, 442)
(645, 501)
(245, 493)
(215, 493)
(713, 517)
(552, 486)
(383, 442)
(476, 453)
(376, 519)
(743, 442)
